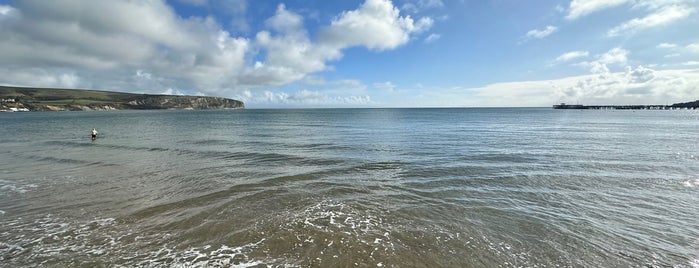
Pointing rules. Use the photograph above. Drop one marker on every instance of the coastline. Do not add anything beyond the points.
(23, 99)
(677, 106)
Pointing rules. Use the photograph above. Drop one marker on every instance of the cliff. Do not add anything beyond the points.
(53, 99)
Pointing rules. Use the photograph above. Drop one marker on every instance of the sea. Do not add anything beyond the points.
(453, 187)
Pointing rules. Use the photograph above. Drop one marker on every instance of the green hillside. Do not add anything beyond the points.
(46, 99)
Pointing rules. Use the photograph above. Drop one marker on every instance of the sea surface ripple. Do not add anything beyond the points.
(519, 187)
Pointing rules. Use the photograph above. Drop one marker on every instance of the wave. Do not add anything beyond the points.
(8, 187)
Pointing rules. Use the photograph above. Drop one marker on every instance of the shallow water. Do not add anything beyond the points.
(350, 187)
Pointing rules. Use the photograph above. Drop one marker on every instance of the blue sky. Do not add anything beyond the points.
(363, 53)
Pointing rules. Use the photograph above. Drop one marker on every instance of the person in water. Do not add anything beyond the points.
(94, 134)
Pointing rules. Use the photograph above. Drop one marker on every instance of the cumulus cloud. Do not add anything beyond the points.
(145, 46)
(635, 86)
(55, 36)
(639, 85)
(580, 8)
(541, 33)
(663, 16)
(611, 81)
(290, 54)
(615, 57)
(377, 25)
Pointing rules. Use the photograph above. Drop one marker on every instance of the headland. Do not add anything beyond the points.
(17, 99)
(677, 106)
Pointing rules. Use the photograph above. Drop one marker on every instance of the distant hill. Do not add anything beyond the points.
(691, 104)
(57, 99)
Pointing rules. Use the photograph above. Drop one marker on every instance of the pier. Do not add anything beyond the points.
(676, 106)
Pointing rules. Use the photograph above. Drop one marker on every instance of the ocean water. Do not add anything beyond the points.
(529, 187)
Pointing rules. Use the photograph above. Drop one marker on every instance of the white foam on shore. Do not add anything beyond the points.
(49, 236)
(203, 256)
(12, 187)
(26, 242)
(334, 227)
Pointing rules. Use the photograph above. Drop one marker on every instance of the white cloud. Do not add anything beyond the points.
(143, 74)
(579, 8)
(41, 77)
(664, 16)
(195, 2)
(572, 55)
(303, 98)
(559, 8)
(410, 7)
(342, 87)
(376, 25)
(673, 55)
(172, 91)
(659, 4)
(291, 55)
(385, 86)
(611, 81)
(614, 56)
(416, 7)
(430, 3)
(342, 84)
(5, 10)
(693, 47)
(691, 63)
(666, 45)
(632, 86)
(432, 38)
(286, 21)
(56, 35)
(145, 47)
(542, 33)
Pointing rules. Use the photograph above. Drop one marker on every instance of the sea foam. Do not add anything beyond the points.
(691, 183)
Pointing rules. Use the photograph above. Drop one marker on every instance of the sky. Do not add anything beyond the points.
(360, 53)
